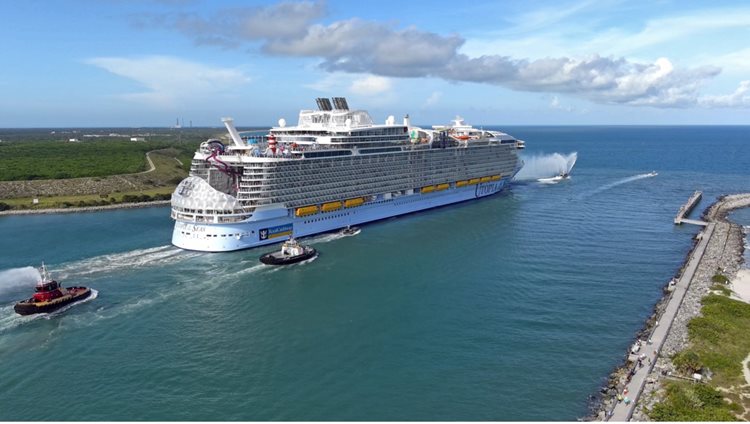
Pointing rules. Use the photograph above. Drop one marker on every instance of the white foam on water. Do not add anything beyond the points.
(325, 238)
(16, 278)
(161, 255)
(620, 182)
(9, 319)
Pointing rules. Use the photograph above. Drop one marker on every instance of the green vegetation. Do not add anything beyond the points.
(61, 160)
(718, 278)
(693, 402)
(719, 341)
(687, 362)
(720, 337)
(721, 289)
(164, 193)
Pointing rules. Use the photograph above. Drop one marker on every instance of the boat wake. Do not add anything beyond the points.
(612, 185)
(623, 181)
(161, 255)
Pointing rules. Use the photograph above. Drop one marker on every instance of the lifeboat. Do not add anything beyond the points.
(306, 210)
(428, 189)
(474, 181)
(495, 178)
(484, 179)
(291, 252)
(49, 296)
(350, 203)
(331, 206)
(461, 183)
(442, 186)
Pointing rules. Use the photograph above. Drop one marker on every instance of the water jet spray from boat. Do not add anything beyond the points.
(546, 166)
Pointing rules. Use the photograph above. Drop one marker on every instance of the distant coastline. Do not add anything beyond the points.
(85, 208)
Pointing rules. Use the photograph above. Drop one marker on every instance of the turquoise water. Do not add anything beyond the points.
(514, 307)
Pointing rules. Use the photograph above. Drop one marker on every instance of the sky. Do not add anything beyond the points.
(68, 63)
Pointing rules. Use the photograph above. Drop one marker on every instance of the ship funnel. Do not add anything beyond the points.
(339, 103)
(323, 104)
(229, 123)
(407, 122)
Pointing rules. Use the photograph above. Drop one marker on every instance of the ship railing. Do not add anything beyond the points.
(212, 218)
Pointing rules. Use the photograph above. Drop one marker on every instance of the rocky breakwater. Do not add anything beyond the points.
(723, 254)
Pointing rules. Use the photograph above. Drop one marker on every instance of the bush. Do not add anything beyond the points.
(688, 362)
(4, 206)
(718, 278)
(692, 402)
(721, 289)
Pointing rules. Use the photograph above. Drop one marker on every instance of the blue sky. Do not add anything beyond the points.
(146, 63)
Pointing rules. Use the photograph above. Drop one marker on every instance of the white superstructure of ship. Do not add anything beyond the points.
(334, 169)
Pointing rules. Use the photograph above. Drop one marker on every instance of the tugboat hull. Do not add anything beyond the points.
(277, 258)
(30, 307)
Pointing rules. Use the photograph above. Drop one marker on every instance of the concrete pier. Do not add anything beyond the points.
(718, 247)
(687, 207)
(649, 350)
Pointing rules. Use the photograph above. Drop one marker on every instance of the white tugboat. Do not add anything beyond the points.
(291, 252)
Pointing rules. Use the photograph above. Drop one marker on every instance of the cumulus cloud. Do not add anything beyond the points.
(168, 79)
(434, 99)
(373, 48)
(740, 98)
(231, 27)
(370, 85)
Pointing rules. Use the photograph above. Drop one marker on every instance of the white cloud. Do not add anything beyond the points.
(169, 80)
(740, 98)
(433, 99)
(370, 85)
(381, 50)
(333, 82)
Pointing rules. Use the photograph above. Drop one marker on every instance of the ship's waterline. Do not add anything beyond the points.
(334, 169)
(227, 237)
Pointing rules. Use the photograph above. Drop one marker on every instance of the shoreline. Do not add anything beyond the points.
(150, 204)
(723, 252)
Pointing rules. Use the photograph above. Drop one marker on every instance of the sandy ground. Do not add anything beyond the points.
(741, 285)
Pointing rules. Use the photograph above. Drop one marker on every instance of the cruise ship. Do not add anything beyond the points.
(335, 168)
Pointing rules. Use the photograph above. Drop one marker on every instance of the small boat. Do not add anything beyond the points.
(555, 179)
(49, 296)
(350, 231)
(652, 174)
(291, 252)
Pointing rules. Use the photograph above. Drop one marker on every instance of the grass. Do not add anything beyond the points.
(693, 402)
(21, 161)
(718, 278)
(720, 341)
(160, 193)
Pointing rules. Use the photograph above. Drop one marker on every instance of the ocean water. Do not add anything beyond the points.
(513, 307)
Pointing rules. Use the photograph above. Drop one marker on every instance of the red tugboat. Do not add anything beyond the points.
(49, 296)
